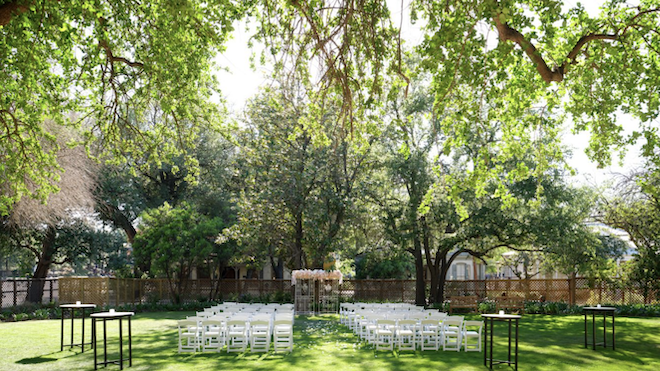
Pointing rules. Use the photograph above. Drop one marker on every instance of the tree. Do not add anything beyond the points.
(379, 264)
(636, 210)
(113, 64)
(123, 192)
(298, 186)
(549, 63)
(37, 226)
(174, 241)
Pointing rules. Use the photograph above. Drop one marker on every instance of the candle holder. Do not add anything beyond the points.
(501, 313)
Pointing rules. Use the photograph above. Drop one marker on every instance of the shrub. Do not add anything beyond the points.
(486, 306)
(533, 307)
(43, 313)
(21, 317)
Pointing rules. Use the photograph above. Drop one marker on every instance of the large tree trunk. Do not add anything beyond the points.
(442, 279)
(443, 269)
(433, 272)
(420, 284)
(48, 249)
(298, 244)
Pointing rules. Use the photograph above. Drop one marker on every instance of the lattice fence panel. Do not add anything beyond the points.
(548, 290)
(304, 298)
(328, 296)
(367, 290)
(94, 290)
(347, 291)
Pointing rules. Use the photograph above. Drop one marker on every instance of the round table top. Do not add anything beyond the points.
(77, 306)
(111, 314)
(606, 309)
(502, 316)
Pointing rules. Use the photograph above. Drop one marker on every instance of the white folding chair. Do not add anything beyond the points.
(452, 328)
(237, 335)
(429, 334)
(472, 330)
(213, 337)
(188, 336)
(282, 335)
(406, 334)
(260, 335)
(385, 331)
(371, 326)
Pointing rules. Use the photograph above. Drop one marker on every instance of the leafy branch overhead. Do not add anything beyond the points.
(136, 78)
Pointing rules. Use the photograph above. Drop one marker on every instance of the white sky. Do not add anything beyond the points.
(241, 82)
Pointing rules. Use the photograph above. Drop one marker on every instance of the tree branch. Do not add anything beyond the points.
(104, 45)
(9, 10)
(508, 33)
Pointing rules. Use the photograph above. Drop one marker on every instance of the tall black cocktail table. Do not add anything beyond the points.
(605, 311)
(72, 309)
(488, 349)
(110, 316)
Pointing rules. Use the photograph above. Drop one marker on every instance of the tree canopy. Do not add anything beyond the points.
(133, 77)
(137, 75)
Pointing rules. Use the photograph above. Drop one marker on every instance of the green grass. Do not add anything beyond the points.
(321, 343)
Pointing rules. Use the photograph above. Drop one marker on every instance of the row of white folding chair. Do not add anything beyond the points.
(354, 319)
(453, 333)
(345, 309)
(238, 307)
(258, 331)
(429, 333)
(236, 332)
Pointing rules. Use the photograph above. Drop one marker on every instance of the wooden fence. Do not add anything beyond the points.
(14, 291)
(113, 291)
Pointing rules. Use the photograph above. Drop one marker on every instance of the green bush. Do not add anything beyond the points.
(649, 310)
(282, 297)
(486, 306)
(21, 317)
(533, 307)
(43, 313)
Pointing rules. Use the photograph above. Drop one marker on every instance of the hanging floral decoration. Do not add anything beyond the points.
(316, 275)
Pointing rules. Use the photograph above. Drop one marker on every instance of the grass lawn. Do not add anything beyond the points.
(321, 343)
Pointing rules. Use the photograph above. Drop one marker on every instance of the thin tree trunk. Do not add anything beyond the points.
(298, 254)
(36, 289)
(420, 284)
(442, 278)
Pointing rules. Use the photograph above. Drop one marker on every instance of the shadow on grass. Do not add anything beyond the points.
(44, 358)
(36, 360)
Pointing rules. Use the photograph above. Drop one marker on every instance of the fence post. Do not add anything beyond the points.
(623, 297)
(14, 281)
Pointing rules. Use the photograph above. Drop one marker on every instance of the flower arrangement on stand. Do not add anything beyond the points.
(315, 289)
(316, 275)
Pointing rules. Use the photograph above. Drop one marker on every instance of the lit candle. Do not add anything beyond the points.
(501, 313)
(78, 302)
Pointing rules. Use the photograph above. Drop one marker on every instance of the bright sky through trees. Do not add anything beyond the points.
(240, 82)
